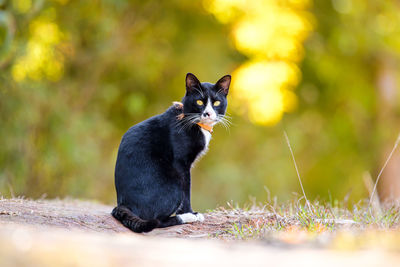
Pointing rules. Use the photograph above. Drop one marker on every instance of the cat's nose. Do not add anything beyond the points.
(206, 114)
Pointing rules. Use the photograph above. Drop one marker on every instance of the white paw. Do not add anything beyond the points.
(187, 217)
(190, 217)
(200, 217)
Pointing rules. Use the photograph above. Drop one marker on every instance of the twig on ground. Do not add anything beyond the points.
(384, 166)
(297, 170)
(369, 185)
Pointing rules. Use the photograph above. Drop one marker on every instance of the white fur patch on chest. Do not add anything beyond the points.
(207, 138)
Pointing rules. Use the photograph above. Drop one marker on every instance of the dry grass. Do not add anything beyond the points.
(294, 222)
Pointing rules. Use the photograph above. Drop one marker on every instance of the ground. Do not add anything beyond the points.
(81, 233)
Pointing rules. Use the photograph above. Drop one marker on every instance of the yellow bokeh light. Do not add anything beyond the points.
(46, 32)
(18, 72)
(289, 101)
(277, 33)
(267, 109)
(36, 51)
(264, 75)
(271, 33)
(41, 60)
(263, 87)
(302, 4)
(22, 6)
(224, 10)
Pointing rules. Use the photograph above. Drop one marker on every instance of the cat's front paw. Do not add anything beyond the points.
(200, 217)
(191, 217)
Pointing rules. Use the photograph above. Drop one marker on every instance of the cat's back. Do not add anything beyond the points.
(147, 136)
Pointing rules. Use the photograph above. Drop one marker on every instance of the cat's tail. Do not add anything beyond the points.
(133, 222)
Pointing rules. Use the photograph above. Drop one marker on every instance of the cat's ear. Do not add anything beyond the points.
(192, 83)
(222, 86)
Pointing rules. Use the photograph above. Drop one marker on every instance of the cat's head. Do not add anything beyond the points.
(205, 102)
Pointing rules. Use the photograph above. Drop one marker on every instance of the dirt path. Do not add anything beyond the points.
(76, 233)
(95, 217)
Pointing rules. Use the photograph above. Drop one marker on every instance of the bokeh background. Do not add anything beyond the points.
(75, 75)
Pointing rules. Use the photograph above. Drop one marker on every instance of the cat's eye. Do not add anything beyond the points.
(199, 102)
(217, 103)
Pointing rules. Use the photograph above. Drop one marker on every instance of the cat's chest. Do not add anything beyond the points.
(207, 138)
(206, 135)
(192, 146)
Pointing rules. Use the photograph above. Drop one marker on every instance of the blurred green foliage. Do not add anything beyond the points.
(65, 102)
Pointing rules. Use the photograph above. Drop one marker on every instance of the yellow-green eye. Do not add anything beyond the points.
(199, 102)
(217, 103)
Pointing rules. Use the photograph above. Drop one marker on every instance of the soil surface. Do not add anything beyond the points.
(78, 233)
(95, 217)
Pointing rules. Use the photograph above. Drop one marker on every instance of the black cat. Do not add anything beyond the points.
(152, 173)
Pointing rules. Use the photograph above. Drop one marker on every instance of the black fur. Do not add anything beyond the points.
(152, 173)
(131, 221)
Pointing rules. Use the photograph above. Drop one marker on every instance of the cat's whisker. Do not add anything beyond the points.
(192, 121)
(225, 125)
(226, 116)
(188, 117)
(188, 121)
(185, 126)
(228, 123)
(223, 118)
(225, 121)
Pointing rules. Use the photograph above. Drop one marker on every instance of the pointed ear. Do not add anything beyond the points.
(192, 83)
(222, 86)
